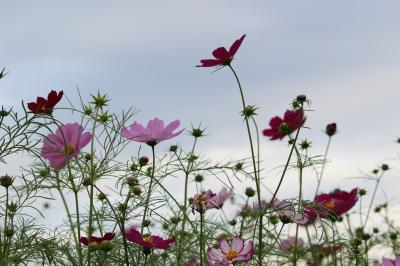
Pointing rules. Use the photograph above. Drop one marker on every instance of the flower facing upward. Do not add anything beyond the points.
(65, 144)
(43, 106)
(222, 56)
(93, 240)
(230, 253)
(147, 241)
(388, 262)
(153, 133)
(292, 120)
(335, 203)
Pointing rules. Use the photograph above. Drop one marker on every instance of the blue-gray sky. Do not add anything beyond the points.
(344, 55)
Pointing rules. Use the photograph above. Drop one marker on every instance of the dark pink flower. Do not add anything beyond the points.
(222, 56)
(65, 144)
(292, 120)
(93, 240)
(45, 106)
(147, 241)
(388, 262)
(333, 204)
(230, 252)
(153, 133)
(218, 200)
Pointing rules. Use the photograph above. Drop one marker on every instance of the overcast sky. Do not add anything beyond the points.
(344, 55)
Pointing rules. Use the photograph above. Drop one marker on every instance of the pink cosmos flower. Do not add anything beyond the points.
(286, 211)
(202, 201)
(388, 262)
(222, 56)
(93, 240)
(153, 133)
(218, 200)
(230, 253)
(290, 243)
(149, 241)
(65, 144)
(292, 120)
(333, 204)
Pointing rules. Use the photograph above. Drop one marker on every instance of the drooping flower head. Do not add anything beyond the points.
(45, 106)
(94, 242)
(153, 133)
(222, 56)
(230, 252)
(389, 262)
(288, 214)
(218, 200)
(64, 145)
(333, 204)
(148, 242)
(279, 128)
(202, 201)
(290, 243)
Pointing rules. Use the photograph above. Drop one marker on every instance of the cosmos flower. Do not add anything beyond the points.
(290, 243)
(93, 240)
(45, 106)
(218, 200)
(147, 241)
(279, 128)
(222, 56)
(388, 262)
(64, 145)
(333, 204)
(230, 252)
(202, 201)
(286, 212)
(153, 133)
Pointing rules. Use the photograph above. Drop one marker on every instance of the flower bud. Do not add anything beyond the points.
(301, 98)
(375, 230)
(250, 192)
(175, 220)
(173, 148)
(238, 166)
(101, 196)
(6, 181)
(233, 222)
(385, 167)
(199, 178)
(87, 181)
(136, 191)
(146, 223)
(366, 237)
(362, 192)
(132, 181)
(393, 236)
(197, 132)
(143, 160)
(330, 129)
(249, 111)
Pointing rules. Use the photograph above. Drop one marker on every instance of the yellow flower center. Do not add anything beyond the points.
(330, 204)
(231, 255)
(69, 149)
(148, 239)
(201, 198)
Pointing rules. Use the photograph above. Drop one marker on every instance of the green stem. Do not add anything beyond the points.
(323, 166)
(201, 237)
(256, 177)
(372, 199)
(5, 226)
(146, 206)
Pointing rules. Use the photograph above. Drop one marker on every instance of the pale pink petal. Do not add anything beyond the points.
(224, 246)
(215, 254)
(387, 262)
(248, 249)
(154, 126)
(85, 139)
(237, 244)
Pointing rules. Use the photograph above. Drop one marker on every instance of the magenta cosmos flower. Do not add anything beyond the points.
(230, 252)
(153, 133)
(45, 106)
(93, 240)
(65, 144)
(222, 56)
(333, 204)
(149, 241)
(292, 120)
(388, 262)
